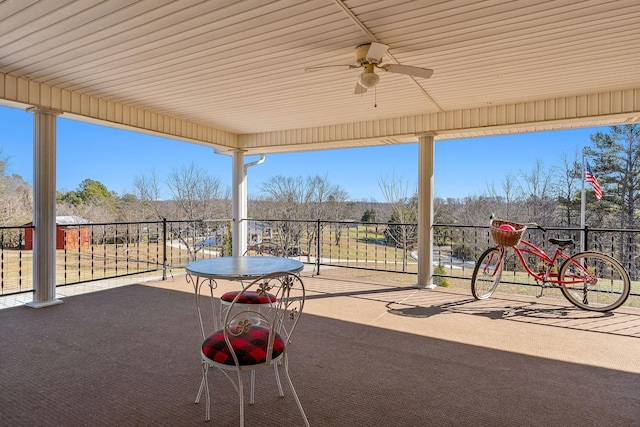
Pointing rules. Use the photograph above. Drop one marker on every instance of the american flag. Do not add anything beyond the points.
(590, 177)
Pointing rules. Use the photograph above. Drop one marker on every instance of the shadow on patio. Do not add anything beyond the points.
(367, 353)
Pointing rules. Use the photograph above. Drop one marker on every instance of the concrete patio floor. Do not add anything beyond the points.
(541, 327)
(371, 350)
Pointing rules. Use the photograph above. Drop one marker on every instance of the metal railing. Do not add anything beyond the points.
(90, 252)
(16, 274)
(389, 247)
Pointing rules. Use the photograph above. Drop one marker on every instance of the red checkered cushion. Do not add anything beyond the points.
(248, 297)
(250, 347)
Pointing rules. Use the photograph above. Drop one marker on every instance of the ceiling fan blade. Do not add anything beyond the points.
(425, 73)
(359, 89)
(376, 52)
(324, 67)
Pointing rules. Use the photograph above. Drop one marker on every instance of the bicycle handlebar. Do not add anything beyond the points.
(535, 224)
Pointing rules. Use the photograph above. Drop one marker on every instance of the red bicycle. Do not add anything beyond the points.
(589, 280)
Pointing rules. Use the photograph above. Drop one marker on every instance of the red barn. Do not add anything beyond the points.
(70, 234)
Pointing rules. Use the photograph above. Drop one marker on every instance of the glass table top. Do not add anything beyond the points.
(242, 267)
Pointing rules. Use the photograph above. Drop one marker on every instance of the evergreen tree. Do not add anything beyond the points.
(616, 157)
(616, 164)
(369, 216)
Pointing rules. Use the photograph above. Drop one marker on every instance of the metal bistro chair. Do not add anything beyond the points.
(251, 297)
(253, 337)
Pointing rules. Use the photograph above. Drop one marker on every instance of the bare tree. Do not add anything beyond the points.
(16, 202)
(537, 187)
(402, 229)
(568, 189)
(147, 189)
(509, 189)
(196, 193)
(294, 199)
(15, 196)
(508, 198)
(327, 202)
(199, 197)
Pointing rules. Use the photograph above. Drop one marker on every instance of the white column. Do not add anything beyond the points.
(44, 208)
(426, 152)
(239, 205)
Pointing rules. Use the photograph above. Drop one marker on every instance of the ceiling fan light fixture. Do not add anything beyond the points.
(368, 80)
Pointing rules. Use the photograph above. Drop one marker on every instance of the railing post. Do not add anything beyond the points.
(586, 235)
(164, 248)
(318, 247)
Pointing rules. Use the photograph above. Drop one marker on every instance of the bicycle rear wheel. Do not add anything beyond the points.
(594, 281)
(487, 272)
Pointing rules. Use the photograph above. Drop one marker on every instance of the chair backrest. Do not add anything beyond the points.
(204, 291)
(276, 320)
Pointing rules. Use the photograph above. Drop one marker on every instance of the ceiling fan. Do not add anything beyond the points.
(369, 56)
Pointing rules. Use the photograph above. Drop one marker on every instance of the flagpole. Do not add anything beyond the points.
(583, 203)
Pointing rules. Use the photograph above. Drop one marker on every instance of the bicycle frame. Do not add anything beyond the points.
(546, 276)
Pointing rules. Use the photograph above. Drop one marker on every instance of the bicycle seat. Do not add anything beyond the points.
(562, 243)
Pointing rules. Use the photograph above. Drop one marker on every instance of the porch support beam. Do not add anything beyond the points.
(426, 152)
(44, 208)
(595, 109)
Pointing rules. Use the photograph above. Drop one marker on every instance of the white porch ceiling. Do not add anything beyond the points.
(231, 73)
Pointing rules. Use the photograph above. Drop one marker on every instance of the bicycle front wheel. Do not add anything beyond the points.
(594, 281)
(487, 272)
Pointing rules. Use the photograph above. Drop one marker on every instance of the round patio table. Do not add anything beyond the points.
(242, 267)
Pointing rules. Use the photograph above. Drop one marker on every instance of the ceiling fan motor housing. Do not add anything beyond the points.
(361, 55)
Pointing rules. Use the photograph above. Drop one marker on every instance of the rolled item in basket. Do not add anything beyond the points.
(506, 233)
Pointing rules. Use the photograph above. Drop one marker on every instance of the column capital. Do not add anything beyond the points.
(40, 110)
(426, 134)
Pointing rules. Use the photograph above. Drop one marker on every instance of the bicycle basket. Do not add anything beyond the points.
(506, 237)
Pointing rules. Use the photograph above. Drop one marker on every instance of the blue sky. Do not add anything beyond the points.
(115, 157)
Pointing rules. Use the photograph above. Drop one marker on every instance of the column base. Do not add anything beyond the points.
(34, 304)
(429, 287)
